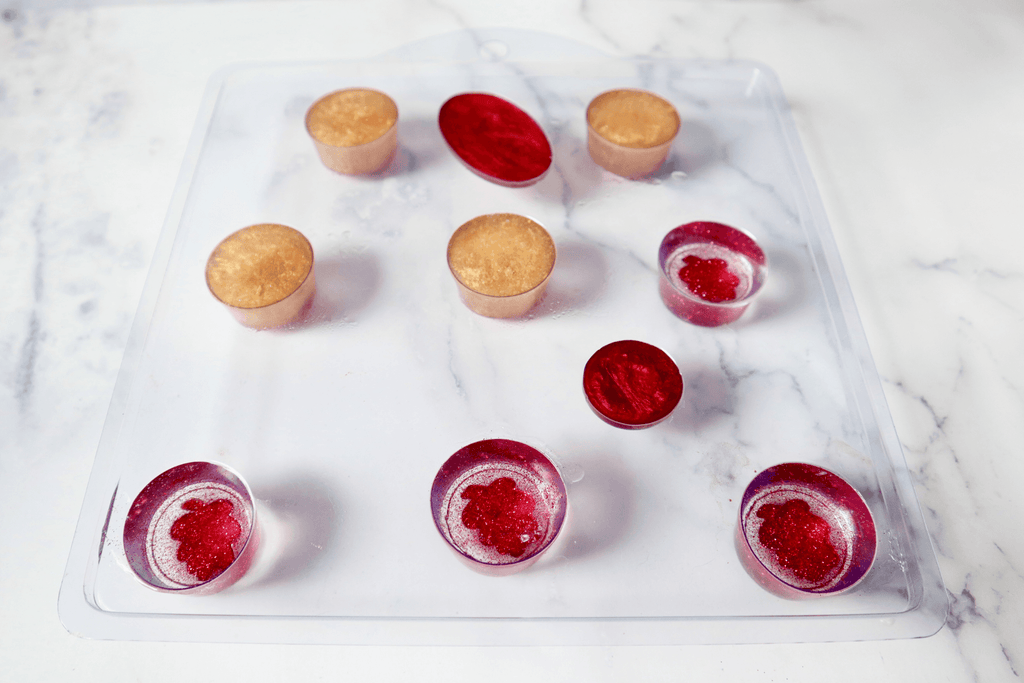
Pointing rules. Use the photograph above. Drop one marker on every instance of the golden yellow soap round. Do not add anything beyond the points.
(501, 254)
(351, 117)
(259, 265)
(633, 118)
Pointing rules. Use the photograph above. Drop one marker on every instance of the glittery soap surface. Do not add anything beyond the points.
(351, 117)
(633, 118)
(259, 265)
(501, 254)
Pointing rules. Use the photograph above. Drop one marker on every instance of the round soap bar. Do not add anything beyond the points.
(804, 531)
(633, 118)
(354, 131)
(263, 274)
(710, 272)
(499, 504)
(192, 530)
(501, 263)
(631, 384)
(630, 132)
(496, 139)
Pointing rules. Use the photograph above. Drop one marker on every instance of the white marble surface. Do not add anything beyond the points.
(909, 112)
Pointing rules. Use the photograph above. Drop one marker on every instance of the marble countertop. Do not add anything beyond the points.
(909, 113)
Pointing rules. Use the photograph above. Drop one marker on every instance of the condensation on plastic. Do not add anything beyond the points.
(341, 423)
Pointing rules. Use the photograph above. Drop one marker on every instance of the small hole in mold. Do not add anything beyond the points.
(493, 51)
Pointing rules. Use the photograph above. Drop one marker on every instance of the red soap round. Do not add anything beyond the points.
(632, 385)
(804, 531)
(496, 139)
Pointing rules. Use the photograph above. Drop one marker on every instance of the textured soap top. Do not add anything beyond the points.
(501, 254)
(351, 117)
(259, 265)
(633, 118)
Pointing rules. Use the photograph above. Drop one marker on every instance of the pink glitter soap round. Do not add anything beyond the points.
(499, 504)
(710, 272)
(192, 529)
(805, 531)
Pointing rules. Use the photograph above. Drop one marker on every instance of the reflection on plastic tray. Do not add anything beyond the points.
(339, 425)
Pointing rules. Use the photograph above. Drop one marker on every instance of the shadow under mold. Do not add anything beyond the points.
(695, 148)
(602, 506)
(579, 277)
(784, 289)
(298, 519)
(412, 156)
(707, 397)
(346, 283)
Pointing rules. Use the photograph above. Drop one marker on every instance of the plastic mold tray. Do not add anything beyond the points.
(340, 424)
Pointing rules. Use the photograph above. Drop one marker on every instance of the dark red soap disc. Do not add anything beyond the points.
(495, 139)
(631, 384)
